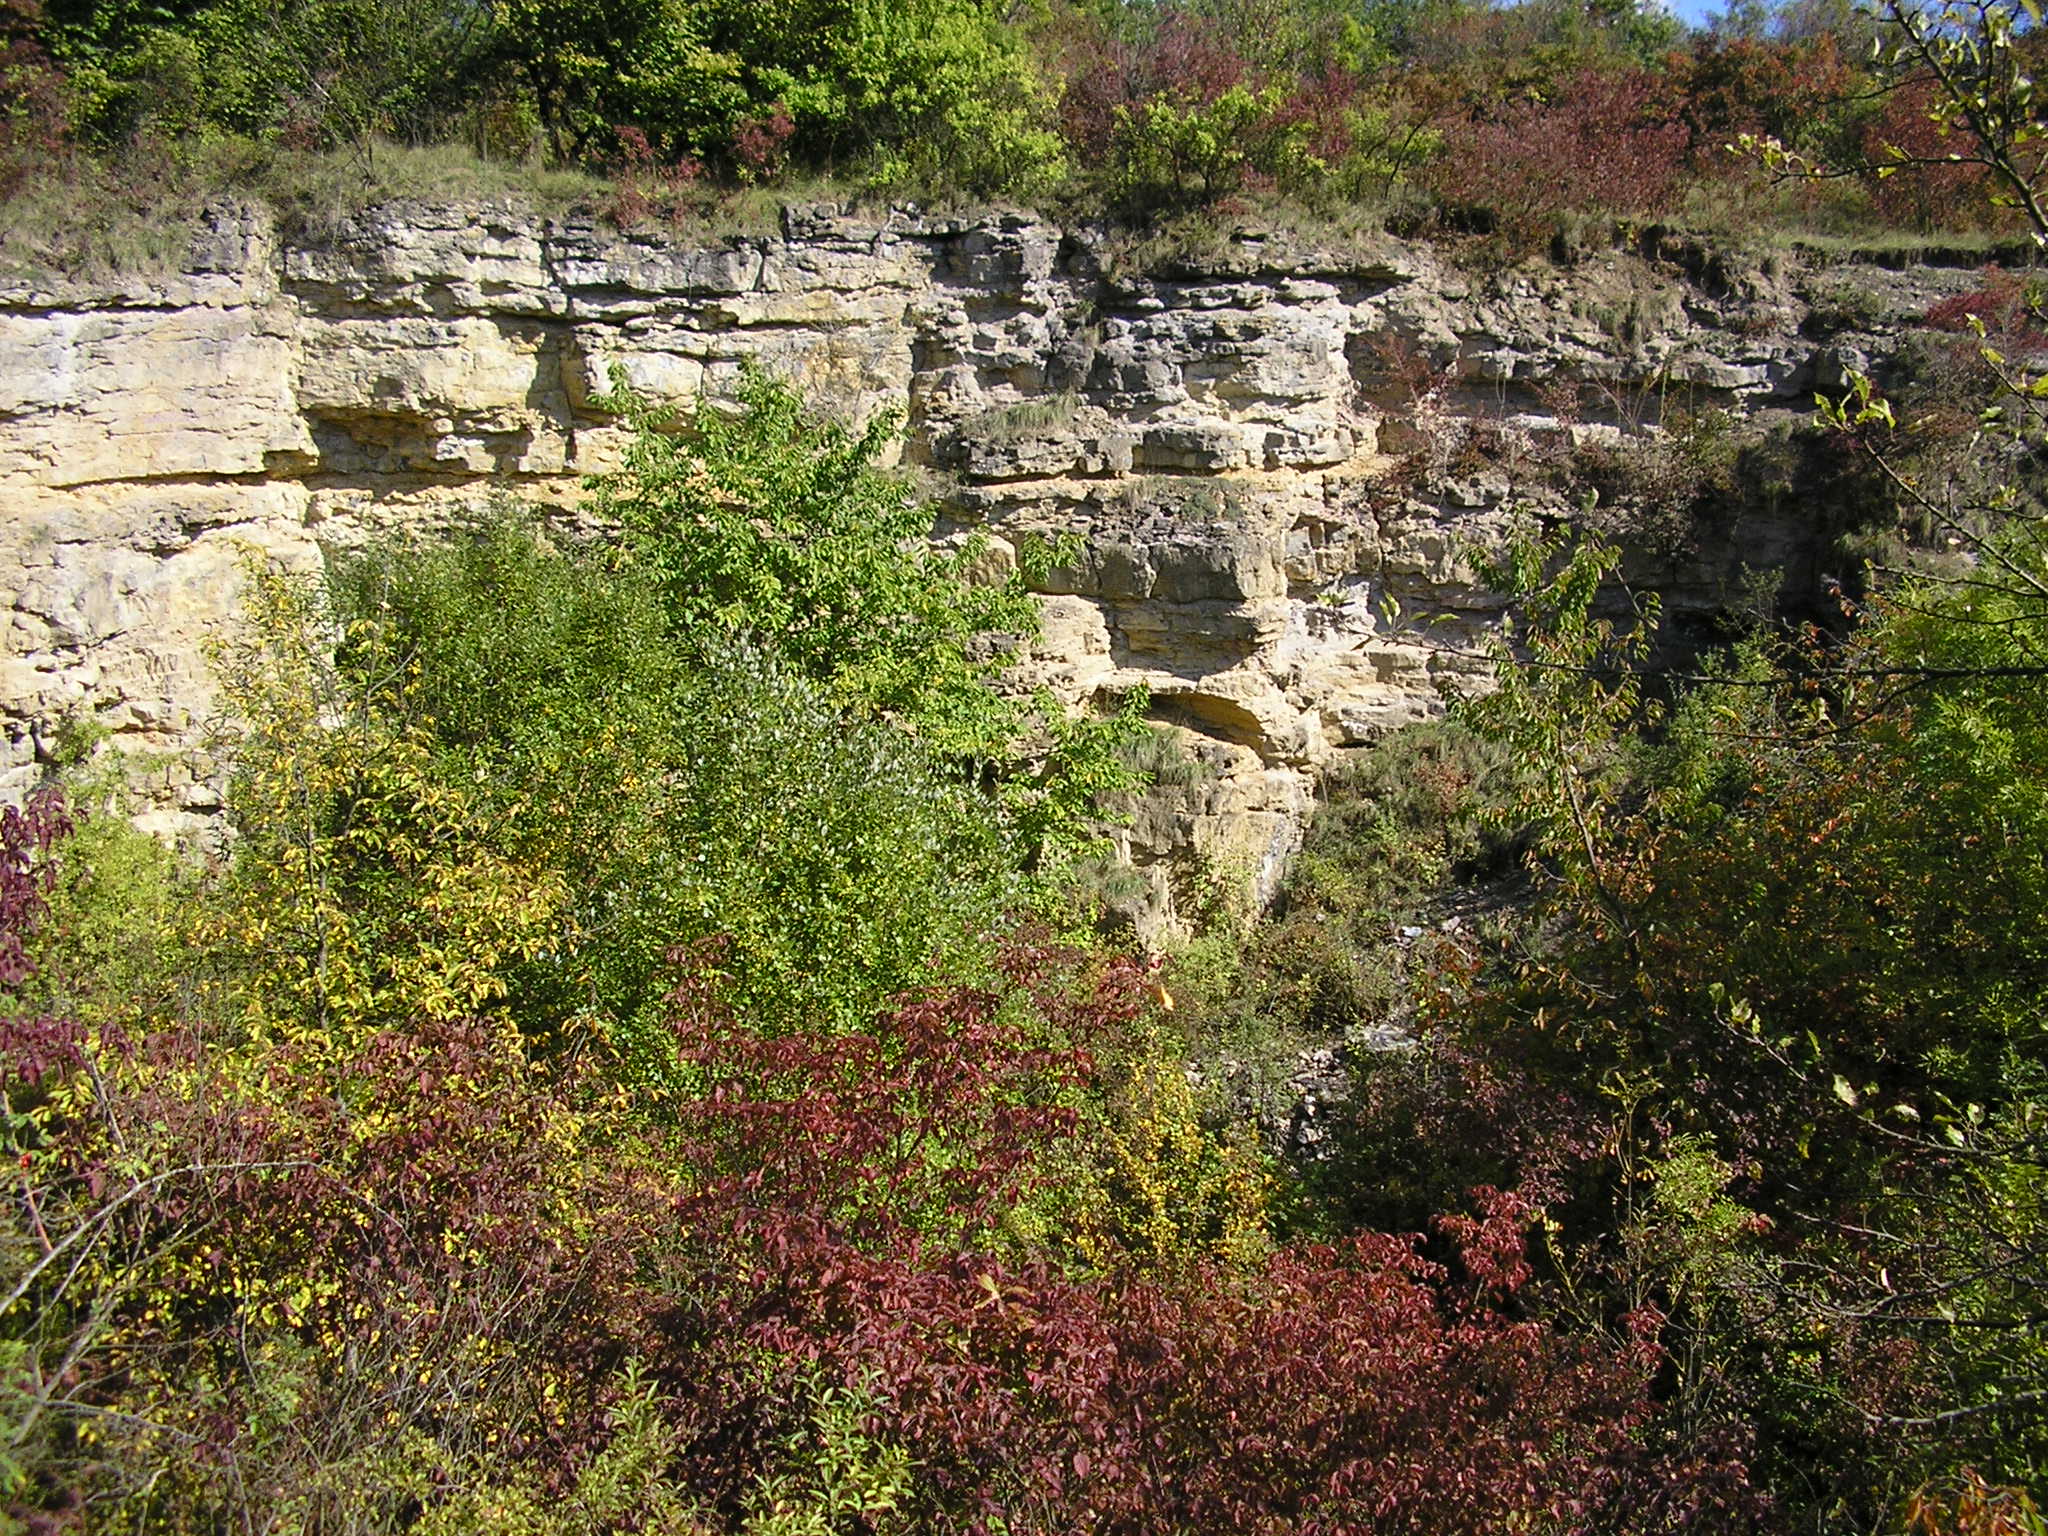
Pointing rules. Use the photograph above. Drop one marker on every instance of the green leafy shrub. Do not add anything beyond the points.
(1172, 153)
(367, 885)
(316, 73)
(1758, 1043)
(774, 528)
(33, 96)
(1184, 118)
(673, 790)
(1156, 1187)
(109, 942)
(770, 526)
(932, 91)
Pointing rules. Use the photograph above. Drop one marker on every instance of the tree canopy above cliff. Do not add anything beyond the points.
(1471, 116)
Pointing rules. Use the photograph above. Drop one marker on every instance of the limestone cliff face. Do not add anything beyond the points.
(1274, 455)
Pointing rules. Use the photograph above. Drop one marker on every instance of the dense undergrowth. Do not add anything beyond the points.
(645, 1062)
(627, 1073)
(1734, 973)
(1520, 124)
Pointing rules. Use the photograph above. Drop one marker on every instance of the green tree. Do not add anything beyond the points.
(768, 526)
(1171, 152)
(1567, 698)
(344, 73)
(940, 92)
(935, 90)
(592, 65)
(365, 886)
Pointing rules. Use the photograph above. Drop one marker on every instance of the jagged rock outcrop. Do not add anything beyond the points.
(1274, 455)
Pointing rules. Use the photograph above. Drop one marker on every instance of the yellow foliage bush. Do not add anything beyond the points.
(365, 886)
(1159, 1187)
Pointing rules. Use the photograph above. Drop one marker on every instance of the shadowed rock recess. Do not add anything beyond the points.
(1274, 455)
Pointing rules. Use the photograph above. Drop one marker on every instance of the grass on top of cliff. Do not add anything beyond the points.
(91, 218)
(137, 213)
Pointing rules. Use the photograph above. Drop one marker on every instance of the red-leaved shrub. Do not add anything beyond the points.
(1792, 91)
(1927, 189)
(429, 1241)
(644, 188)
(1186, 57)
(1344, 1387)
(2006, 304)
(761, 144)
(27, 834)
(1600, 144)
(1336, 1387)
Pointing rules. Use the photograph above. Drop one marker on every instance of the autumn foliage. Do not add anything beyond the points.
(1516, 122)
(1594, 144)
(475, 1275)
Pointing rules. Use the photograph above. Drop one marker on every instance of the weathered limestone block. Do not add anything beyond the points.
(613, 279)
(1323, 546)
(112, 395)
(470, 395)
(1187, 641)
(1073, 654)
(1006, 254)
(1309, 443)
(1200, 447)
(422, 369)
(115, 598)
(1046, 457)
(420, 258)
(1223, 839)
(649, 368)
(1359, 695)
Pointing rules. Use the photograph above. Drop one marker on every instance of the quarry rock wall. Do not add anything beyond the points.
(1275, 455)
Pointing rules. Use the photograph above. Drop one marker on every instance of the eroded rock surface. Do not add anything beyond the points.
(1275, 456)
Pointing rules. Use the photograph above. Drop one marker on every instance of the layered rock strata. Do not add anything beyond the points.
(1274, 455)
